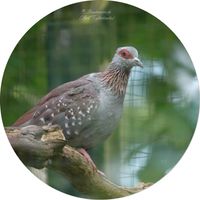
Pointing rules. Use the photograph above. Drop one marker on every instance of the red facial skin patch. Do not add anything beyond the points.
(124, 53)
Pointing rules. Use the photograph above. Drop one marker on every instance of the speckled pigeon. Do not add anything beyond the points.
(89, 108)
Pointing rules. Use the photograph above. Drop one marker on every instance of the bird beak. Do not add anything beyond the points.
(137, 62)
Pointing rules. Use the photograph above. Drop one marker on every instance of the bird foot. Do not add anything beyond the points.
(85, 154)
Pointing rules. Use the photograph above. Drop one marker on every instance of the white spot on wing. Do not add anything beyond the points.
(73, 123)
(71, 111)
(42, 120)
(81, 113)
(66, 125)
(76, 132)
(68, 133)
(73, 117)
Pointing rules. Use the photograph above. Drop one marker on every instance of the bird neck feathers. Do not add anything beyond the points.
(115, 78)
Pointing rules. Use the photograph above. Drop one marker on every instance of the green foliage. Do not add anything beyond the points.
(25, 75)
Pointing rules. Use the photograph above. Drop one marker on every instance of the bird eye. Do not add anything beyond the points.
(125, 54)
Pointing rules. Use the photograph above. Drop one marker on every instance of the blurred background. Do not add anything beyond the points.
(162, 100)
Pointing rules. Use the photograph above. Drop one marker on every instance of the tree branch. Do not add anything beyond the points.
(46, 147)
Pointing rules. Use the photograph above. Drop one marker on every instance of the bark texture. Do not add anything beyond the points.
(46, 146)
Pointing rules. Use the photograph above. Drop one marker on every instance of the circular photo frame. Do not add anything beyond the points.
(106, 99)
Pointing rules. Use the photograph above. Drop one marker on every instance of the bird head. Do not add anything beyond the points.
(126, 57)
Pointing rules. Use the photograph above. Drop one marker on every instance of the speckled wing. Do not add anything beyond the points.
(71, 105)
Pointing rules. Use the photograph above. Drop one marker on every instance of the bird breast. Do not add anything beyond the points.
(109, 111)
